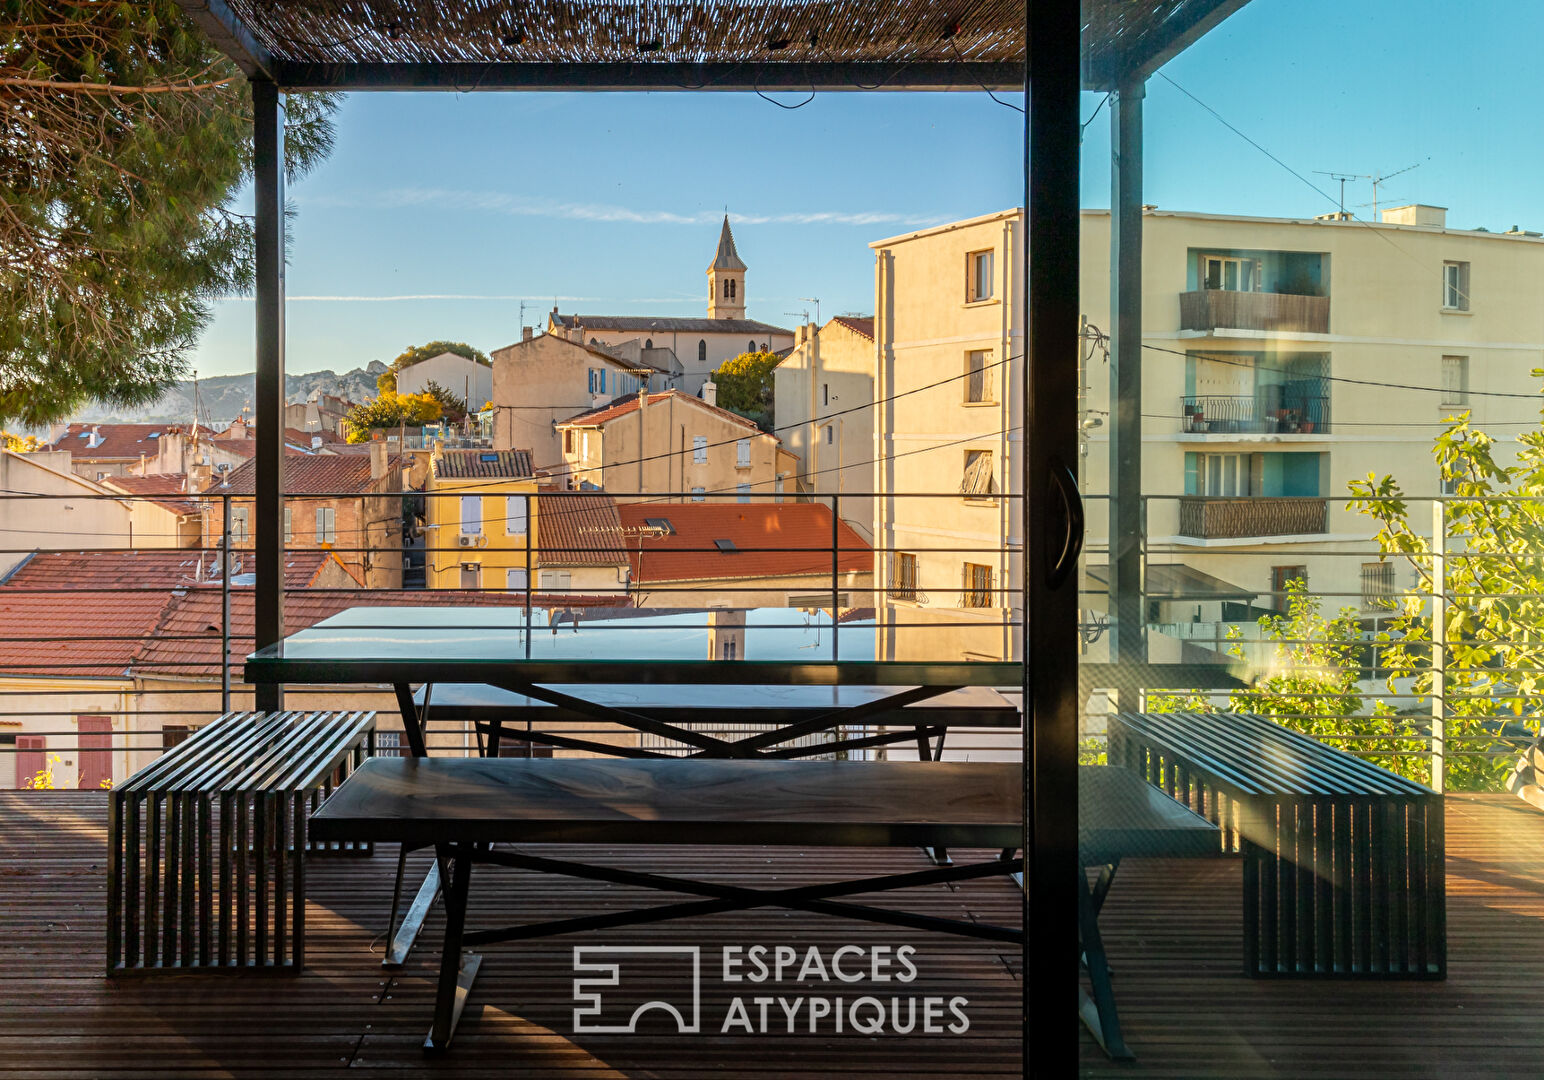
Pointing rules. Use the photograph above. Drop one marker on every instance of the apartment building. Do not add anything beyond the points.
(823, 394)
(1281, 359)
(477, 514)
(672, 447)
(350, 504)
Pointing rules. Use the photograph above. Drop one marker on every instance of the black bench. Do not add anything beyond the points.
(464, 806)
(1343, 860)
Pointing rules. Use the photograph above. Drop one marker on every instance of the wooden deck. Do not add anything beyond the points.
(1172, 931)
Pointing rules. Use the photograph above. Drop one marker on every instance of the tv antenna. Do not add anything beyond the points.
(1380, 178)
(1342, 177)
(812, 300)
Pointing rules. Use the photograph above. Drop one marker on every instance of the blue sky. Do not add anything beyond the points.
(611, 202)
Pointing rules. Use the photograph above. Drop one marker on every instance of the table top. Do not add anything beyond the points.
(978, 706)
(595, 800)
(1122, 816)
(777, 646)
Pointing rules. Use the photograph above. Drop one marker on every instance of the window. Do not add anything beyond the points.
(1448, 484)
(584, 446)
(172, 734)
(515, 578)
(702, 351)
(388, 744)
(730, 650)
(725, 544)
(1281, 578)
(777, 488)
(750, 346)
(978, 586)
(471, 575)
(289, 529)
(1378, 585)
(825, 393)
(648, 343)
(557, 580)
(1223, 475)
(698, 493)
(591, 372)
(241, 517)
(830, 434)
(978, 276)
(515, 515)
(978, 482)
(744, 492)
(1455, 286)
(1455, 382)
(978, 377)
(1230, 273)
(699, 449)
(326, 518)
(903, 575)
(568, 441)
(471, 515)
(742, 454)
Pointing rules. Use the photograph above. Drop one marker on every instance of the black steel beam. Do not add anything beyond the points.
(268, 528)
(231, 36)
(1050, 303)
(651, 76)
(1125, 446)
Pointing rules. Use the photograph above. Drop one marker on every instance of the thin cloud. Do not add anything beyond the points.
(607, 213)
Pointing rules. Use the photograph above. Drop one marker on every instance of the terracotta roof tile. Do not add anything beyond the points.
(862, 325)
(94, 636)
(150, 568)
(306, 474)
(169, 484)
(578, 529)
(665, 325)
(126, 441)
(691, 552)
(484, 464)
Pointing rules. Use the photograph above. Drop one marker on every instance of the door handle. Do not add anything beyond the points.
(1064, 525)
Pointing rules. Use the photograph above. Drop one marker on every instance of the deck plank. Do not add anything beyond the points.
(1172, 930)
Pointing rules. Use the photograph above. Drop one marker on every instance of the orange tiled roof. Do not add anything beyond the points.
(171, 485)
(305, 474)
(125, 441)
(862, 325)
(150, 568)
(45, 636)
(691, 552)
(578, 529)
(486, 464)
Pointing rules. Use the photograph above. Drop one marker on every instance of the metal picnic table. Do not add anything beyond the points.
(645, 672)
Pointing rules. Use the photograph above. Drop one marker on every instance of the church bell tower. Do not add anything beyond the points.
(726, 279)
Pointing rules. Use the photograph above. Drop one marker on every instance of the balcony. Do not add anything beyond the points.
(1254, 414)
(1206, 517)
(1208, 310)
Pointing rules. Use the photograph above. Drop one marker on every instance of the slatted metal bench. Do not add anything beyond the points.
(464, 806)
(206, 869)
(1343, 860)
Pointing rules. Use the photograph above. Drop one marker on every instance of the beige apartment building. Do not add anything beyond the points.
(823, 395)
(546, 378)
(672, 447)
(1282, 358)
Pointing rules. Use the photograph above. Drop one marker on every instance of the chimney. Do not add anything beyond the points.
(316, 442)
(710, 392)
(643, 399)
(527, 332)
(377, 458)
(198, 477)
(96, 437)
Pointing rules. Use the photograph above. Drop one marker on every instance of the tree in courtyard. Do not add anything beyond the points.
(390, 410)
(127, 136)
(745, 385)
(1493, 585)
(452, 406)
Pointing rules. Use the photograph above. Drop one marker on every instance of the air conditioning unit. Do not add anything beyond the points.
(468, 540)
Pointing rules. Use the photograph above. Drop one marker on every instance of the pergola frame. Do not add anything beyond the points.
(1113, 46)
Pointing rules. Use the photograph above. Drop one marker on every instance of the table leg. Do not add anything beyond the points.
(457, 972)
(412, 725)
(1097, 1011)
(926, 752)
(403, 937)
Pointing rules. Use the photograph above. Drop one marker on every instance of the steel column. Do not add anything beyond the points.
(1125, 530)
(1049, 651)
(268, 526)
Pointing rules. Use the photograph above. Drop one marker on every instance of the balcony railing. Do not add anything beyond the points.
(1221, 309)
(1223, 414)
(1206, 517)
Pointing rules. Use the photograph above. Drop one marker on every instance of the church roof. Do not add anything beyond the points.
(727, 258)
(664, 325)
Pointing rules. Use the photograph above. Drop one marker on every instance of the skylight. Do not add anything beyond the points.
(660, 523)
(725, 545)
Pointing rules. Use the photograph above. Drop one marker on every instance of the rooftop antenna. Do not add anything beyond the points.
(816, 301)
(1343, 177)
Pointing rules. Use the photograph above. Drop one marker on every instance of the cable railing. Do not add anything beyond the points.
(132, 614)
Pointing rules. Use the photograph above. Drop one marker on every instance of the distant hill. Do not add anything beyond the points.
(223, 397)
